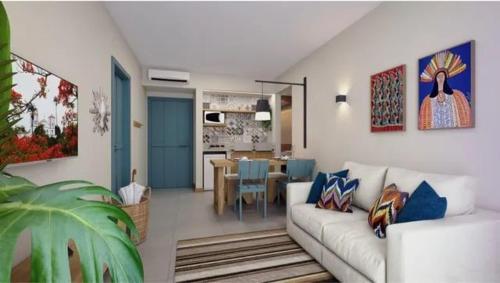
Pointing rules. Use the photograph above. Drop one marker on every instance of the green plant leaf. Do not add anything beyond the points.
(56, 214)
(10, 185)
(5, 69)
(5, 79)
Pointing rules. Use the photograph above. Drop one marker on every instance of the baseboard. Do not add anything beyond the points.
(198, 190)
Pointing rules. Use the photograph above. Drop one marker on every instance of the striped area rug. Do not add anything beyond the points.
(264, 256)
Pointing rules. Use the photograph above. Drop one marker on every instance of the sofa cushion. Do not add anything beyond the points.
(319, 183)
(384, 211)
(355, 243)
(424, 204)
(371, 182)
(458, 190)
(312, 219)
(337, 194)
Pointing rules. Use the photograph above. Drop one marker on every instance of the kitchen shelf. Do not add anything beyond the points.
(231, 111)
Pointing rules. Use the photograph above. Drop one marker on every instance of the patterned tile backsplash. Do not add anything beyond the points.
(240, 127)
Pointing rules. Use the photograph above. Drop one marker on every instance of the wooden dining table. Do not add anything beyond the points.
(220, 190)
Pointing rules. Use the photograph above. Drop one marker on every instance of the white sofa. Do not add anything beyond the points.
(462, 247)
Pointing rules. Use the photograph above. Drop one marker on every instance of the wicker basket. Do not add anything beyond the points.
(139, 214)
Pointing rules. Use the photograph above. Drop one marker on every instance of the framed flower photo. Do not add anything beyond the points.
(47, 113)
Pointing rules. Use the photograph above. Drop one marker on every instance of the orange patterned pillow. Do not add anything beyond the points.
(385, 209)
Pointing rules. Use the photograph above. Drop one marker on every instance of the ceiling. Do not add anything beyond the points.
(248, 39)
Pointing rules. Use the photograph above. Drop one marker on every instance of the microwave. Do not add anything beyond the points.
(213, 117)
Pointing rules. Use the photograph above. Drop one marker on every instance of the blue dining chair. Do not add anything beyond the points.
(253, 179)
(297, 170)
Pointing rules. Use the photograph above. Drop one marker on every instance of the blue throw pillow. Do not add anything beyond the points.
(423, 204)
(319, 184)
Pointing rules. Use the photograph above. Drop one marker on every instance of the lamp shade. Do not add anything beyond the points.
(263, 110)
(262, 116)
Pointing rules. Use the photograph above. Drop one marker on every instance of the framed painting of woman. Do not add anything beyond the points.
(446, 88)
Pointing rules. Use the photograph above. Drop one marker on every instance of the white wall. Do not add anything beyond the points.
(76, 40)
(401, 33)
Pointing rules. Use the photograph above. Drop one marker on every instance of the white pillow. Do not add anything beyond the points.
(371, 181)
(458, 190)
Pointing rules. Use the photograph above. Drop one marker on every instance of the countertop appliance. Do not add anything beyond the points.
(208, 169)
(213, 117)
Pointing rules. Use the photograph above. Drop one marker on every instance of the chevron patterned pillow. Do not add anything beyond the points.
(337, 193)
(385, 209)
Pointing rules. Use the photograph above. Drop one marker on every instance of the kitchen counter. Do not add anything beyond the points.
(241, 147)
(222, 149)
(215, 149)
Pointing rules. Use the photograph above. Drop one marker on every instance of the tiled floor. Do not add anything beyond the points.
(177, 214)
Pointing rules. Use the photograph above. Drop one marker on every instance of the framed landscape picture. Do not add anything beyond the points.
(446, 88)
(388, 100)
(48, 112)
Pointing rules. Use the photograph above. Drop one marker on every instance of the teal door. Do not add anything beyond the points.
(120, 126)
(170, 142)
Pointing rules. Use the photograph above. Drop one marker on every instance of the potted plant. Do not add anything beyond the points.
(57, 213)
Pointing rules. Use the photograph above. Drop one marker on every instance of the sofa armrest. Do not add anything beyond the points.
(454, 249)
(297, 192)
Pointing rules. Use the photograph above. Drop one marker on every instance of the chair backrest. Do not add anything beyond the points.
(253, 170)
(299, 168)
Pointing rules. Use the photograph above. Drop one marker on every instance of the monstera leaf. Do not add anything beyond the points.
(5, 64)
(56, 214)
(6, 118)
(10, 186)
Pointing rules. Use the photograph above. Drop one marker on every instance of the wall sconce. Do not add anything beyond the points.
(340, 98)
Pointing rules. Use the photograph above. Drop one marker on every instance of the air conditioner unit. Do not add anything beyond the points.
(168, 76)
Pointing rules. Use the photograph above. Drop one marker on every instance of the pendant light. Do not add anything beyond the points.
(263, 110)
